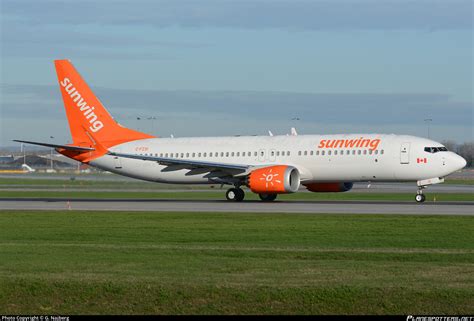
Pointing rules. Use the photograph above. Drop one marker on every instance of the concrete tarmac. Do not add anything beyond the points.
(310, 207)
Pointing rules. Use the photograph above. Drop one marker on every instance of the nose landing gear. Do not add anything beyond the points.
(420, 197)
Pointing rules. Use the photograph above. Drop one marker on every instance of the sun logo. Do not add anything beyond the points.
(269, 178)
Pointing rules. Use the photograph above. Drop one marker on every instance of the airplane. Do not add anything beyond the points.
(267, 165)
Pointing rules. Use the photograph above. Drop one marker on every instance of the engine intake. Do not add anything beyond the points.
(329, 187)
(278, 179)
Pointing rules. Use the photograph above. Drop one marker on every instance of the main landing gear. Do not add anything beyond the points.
(268, 197)
(235, 194)
(420, 197)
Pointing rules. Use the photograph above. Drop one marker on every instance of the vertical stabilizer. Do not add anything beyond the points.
(86, 114)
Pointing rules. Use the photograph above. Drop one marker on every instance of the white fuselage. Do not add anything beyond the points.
(395, 158)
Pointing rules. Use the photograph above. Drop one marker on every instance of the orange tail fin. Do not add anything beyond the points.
(86, 114)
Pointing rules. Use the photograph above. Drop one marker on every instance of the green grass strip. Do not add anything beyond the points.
(73, 262)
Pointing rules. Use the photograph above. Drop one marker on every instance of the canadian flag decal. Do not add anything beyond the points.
(421, 160)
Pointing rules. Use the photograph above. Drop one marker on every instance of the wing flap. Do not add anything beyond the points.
(195, 167)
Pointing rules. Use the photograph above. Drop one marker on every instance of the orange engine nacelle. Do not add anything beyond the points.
(278, 179)
(329, 187)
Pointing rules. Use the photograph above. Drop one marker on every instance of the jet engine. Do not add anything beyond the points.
(329, 187)
(278, 179)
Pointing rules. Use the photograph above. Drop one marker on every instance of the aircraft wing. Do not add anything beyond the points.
(217, 170)
(67, 147)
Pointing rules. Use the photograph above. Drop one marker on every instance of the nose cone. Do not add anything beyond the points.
(459, 162)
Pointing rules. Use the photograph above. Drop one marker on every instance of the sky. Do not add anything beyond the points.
(212, 68)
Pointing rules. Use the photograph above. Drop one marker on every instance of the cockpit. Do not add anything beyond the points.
(433, 150)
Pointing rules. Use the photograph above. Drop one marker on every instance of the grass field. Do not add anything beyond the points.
(104, 262)
(220, 195)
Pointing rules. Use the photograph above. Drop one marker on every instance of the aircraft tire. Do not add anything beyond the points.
(268, 197)
(420, 198)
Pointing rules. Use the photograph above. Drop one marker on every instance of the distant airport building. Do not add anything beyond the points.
(6, 159)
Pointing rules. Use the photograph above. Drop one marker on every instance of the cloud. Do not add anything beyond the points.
(303, 15)
(353, 109)
(33, 111)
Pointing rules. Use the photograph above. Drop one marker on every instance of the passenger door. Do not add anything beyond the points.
(405, 153)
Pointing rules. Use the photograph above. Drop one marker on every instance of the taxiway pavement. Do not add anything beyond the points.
(310, 207)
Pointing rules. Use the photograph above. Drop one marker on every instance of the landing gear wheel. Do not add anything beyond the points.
(268, 197)
(420, 198)
(235, 194)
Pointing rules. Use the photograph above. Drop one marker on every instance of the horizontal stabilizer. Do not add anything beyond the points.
(67, 147)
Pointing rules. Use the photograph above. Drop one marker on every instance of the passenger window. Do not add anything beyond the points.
(288, 153)
(322, 153)
(381, 152)
(359, 152)
(370, 152)
(299, 153)
(238, 154)
(353, 152)
(317, 153)
(278, 153)
(329, 152)
(348, 152)
(305, 153)
(255, 154)
(335, 152)
(311, 153)
(376, 152)
(161, 154)
(226, 154)
(232, 154)
(365, 151)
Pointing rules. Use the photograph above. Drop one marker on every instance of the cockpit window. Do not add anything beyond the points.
(435, 149)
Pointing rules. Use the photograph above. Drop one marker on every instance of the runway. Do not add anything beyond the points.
(309, 207)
